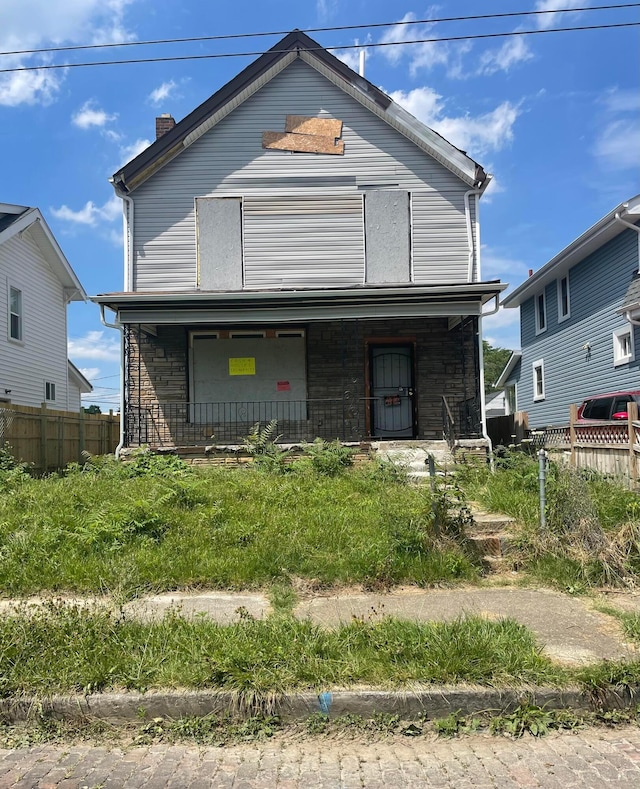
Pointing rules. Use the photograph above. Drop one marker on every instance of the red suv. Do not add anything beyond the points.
(606, 407)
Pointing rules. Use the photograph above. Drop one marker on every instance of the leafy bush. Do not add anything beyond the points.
(329, 458)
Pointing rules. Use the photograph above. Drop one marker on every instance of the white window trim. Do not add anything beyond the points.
(535, 304)
(539, 364)
(52, 391)
(15, 340)
(618, 359)
(561, 316)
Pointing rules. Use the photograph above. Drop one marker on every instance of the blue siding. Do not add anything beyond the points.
(597, 287)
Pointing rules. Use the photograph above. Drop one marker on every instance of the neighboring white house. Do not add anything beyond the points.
(37, 283)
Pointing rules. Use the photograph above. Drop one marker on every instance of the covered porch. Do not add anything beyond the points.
(377, 363)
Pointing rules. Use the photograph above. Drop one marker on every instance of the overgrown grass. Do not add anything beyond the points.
(60, 649)
(157, 524)
(592, 532)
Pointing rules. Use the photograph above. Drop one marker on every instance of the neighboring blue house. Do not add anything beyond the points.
(578, 329)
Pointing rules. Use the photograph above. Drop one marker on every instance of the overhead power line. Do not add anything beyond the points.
(218, 55)
(337, 28)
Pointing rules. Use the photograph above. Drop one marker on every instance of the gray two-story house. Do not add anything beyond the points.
(579, 319)
(300, 248)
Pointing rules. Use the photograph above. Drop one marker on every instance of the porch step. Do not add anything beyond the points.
(412, 455)
(491, 537)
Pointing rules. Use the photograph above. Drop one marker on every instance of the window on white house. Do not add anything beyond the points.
(623, 350)
(541, 313)
(15, 314)
(564, 307)
(538, 380)
(49, 390)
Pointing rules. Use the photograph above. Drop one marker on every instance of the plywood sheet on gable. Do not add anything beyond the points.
(302, 124)
(301, 143)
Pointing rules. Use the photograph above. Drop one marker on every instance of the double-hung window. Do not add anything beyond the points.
(564, 306)
(541, 313)
(15, 313)
(538, 380)
(623, 351)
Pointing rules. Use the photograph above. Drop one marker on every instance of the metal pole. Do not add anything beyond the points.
(542, 477)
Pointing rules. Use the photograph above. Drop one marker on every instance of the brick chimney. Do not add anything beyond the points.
(164, 124)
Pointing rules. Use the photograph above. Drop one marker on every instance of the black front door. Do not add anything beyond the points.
(392, 389)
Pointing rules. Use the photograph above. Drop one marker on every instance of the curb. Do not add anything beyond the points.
(434, 702)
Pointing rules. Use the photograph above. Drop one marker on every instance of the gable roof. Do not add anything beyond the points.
(31, 220)
(295, 45)
(510, 366)
(610, 226)
(78, 378)
(10, 213)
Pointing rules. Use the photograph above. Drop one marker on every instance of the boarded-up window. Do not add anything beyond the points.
(303, 241)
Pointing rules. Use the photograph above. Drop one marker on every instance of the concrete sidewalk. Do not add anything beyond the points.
(568, 628)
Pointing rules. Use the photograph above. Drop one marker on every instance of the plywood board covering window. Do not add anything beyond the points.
(262, 377)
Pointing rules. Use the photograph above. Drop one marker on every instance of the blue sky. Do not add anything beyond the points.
(555, 118)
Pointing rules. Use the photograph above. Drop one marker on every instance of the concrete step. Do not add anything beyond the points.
(491, 521)
(495, 544)
(496, 564)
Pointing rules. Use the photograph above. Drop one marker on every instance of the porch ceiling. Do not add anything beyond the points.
(285, 306)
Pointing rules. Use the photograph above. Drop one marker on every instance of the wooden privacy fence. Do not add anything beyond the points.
(50, 439)
(611, 448)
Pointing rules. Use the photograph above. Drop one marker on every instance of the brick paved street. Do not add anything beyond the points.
(592, 758)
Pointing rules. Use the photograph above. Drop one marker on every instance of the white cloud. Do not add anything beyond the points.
(553, 17)
(90, 214)
(35, 24)
(90, 372)
(162, 92)
(326, 9)
(426, 55)
(91, 115)
(513, 51)
(94, 345)
(618, 144)
(618, 140)
(129, 152)
(502, 330)
(490, 131)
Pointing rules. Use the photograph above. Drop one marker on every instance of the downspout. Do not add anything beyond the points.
(117, 326)
(470, 233)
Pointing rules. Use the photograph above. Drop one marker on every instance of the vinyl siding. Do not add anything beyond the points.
(42, 356)
(229, 159)
(597, 287)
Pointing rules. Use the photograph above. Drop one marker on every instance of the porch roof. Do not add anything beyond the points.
(285, 306)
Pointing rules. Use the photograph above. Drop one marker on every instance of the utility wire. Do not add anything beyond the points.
(49, 67)
(230, 36)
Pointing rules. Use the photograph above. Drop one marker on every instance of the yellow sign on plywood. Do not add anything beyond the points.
(242, 366)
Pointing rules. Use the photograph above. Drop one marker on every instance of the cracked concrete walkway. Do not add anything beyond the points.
(569, 628)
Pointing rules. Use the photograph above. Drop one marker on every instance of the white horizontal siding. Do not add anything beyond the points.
(303, 241)
(229, 159)
(42, 356)
(440, 241)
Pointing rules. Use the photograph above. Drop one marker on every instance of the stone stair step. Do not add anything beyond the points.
(497, 544)
(491, 521)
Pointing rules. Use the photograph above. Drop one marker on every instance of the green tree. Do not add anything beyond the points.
(92, 409)
(494, 362)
